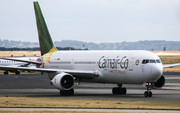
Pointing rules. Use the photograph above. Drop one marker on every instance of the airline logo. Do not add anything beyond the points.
(47, 56)
(137, 62)
(105, 62)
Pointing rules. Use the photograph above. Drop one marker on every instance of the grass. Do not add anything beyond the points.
(170, 59)
(34, 102)
(52, 112)
(19, 53)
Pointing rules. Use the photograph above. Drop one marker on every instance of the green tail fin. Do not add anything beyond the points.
(45, 41)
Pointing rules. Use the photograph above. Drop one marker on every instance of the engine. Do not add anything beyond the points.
(160, 83)
(63, 81)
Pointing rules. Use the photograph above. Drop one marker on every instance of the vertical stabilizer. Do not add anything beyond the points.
(45, 41)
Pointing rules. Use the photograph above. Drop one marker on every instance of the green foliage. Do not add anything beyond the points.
(156, 45)
(36, 49)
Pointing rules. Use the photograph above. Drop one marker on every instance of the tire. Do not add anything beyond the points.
(114, 91)
(17, 72)
(5, 73)
(145, 94)
(124, 90)
(150, 94)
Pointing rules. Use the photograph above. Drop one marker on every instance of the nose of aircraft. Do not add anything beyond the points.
(156, 71)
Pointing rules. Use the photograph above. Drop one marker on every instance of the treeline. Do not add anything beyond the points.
(36, 49)
(156, 45)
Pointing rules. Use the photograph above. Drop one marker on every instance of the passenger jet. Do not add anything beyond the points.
(64, 68)
(16, 63)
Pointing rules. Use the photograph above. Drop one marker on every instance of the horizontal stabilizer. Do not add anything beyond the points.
(20, 60)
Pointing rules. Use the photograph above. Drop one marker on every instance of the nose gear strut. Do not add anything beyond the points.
(148, 93)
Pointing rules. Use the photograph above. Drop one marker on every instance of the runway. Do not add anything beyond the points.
(39, 86)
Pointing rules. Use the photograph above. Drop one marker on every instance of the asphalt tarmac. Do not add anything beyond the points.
(39, 86)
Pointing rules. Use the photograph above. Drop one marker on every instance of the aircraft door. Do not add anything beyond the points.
(131, 64)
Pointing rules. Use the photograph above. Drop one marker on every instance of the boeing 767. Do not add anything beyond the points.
(64, 68)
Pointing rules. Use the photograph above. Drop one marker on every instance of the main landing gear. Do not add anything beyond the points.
(17, 72)
(119, 90)
(6, 73)
(67, 92)
(148, 93)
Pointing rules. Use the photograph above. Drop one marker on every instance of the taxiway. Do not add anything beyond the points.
(39, 86)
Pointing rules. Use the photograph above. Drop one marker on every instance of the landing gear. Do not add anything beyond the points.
(6, 73)
(148, 93)
(17, 72)
(67, 92)
(119, 90)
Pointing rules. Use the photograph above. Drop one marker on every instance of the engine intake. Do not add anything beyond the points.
(63, 81)
(160, 83)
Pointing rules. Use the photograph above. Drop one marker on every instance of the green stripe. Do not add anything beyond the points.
(45, 40)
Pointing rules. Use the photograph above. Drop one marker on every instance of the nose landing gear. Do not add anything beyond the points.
(148, 93)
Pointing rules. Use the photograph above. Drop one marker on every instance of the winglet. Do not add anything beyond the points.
(45, 41)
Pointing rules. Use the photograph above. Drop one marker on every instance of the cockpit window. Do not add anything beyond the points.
(145, 61)
(158, 61)
(152, 61)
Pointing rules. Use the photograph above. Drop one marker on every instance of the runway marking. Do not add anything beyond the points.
(173, 78)
(176, 84)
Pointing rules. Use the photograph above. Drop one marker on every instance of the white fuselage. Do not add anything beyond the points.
(119, 67)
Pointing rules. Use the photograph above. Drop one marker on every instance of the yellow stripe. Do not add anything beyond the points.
(47, 56)
(52, 50)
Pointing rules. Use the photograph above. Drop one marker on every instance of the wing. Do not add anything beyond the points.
(171, 65)
(21, 60)
(75, 73)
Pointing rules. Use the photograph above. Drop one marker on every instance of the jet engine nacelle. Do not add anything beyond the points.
(63, 81)
(160, 83)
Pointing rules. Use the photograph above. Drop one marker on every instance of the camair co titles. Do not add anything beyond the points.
(113, 63)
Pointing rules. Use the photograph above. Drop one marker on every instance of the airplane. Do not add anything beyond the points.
(65, 68)
(5, 62)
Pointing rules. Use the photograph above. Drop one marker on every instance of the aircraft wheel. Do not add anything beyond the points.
(150, 94)
(114, 91)
(145, 94)
(61, 92)
(17, 72)
(124, 90)
(71, 91)
(67, 92)
(6, 73)
(117, 90)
